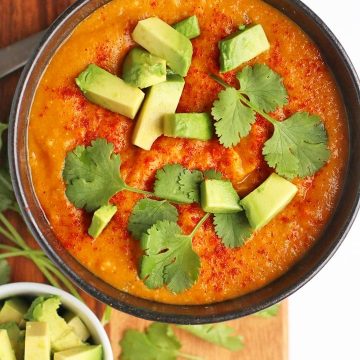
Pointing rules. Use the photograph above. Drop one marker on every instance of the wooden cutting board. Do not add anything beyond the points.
(265, 339)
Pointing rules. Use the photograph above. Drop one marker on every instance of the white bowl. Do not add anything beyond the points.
(70, 302)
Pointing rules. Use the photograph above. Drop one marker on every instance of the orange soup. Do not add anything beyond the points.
(61, 118)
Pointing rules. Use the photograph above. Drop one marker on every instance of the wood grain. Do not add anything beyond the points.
(266, 339)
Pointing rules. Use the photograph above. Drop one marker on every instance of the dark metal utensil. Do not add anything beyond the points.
(16, 55)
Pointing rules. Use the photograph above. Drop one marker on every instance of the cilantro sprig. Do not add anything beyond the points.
(298, 146)
(233, 118)
(92, 175)
(147, 212)
(218, 334)
(175, 183)
(157, 342)
(233, 229)
(169, 258)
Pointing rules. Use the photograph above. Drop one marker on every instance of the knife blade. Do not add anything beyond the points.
(17, 54)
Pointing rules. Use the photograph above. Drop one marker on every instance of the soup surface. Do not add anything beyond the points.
(61, 118)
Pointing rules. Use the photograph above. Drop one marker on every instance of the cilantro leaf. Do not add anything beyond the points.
(158, 342)
(213, 174)
(147, 212)
(92, 175)
(263, 87)
(7, 197)
(3, 127)
(169, 258)
(4, 272)
(271, 311)
(218, 334)
(233, 118)
(163, 336)
(298, 146)
(190, 183)
(232, 229)
(167, 184)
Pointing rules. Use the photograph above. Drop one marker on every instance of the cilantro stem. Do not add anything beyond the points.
(219, 81)
(190, 357)
(32, 255)
(17, 253)
(15, 235)
(250, 105)
(198, 225)
(138, 191)
(7, 247)
(6, 234)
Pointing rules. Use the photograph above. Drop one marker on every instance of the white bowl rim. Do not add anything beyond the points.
(69, 301)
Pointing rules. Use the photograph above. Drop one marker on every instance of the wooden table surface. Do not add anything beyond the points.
(265, 339)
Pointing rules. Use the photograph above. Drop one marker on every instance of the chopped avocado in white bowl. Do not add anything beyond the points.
(41, 322)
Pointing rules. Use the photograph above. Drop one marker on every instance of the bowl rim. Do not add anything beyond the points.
(69, 301)
(145, 313)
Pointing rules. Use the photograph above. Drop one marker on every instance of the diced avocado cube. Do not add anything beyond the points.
(268, 200)
(162, 40)
(67, 341)
(44, 309)
(242, 46)
(6, 351)
(77, 326)
(101, 218)
(13, 310)
(189, 27)
(142, 69)
(13, 332)
(91, 352)
(160, 100)
(109, 91)
(190, 126)
(37, 341)
(219, 196)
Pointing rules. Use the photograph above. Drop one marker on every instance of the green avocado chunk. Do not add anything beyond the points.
(6, 351)
(13, 310)
(188, 125)
(219, 196)
(37, 341)
(189, 27)
(77, 325)
(91, 352)
(268, 200)
(142, 69)
(101, 218)
(242, 46)
(162, 40)
(13, 331)
(62, 336)
(162, 99)
(109, 91)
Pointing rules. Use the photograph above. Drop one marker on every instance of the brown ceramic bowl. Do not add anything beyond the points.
(297, 276)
